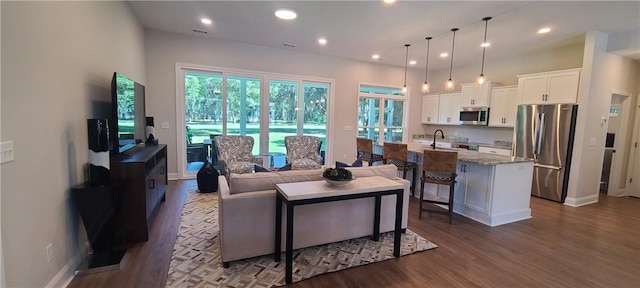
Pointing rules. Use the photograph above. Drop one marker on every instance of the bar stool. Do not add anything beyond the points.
(396, 153)
(439, 167)
(365, 151)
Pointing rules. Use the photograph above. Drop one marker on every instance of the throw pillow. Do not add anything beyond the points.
(357, 163)
(285, 167)
(258, 168)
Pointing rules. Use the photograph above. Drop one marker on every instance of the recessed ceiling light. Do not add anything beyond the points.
(205, 21)
(443, 55)
(544, 30)
(485, 44)
(389, 1)
(322, 41)
(412, 62)
(286, 14)
(375, 56)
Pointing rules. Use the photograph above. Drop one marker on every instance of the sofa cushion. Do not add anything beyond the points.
(240, 183)
(388, 171)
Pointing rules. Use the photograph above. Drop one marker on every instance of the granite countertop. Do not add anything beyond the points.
(469, 156)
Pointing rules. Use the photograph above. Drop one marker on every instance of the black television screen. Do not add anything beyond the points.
(128, 120)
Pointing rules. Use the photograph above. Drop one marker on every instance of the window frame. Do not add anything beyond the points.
(404, 98)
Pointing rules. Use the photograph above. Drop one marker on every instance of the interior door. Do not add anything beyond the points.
(634, 171)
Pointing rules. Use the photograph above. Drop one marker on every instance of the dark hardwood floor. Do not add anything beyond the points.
(591, 246)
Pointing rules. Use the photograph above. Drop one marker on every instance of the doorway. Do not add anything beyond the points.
(614, 175)
(634, 162)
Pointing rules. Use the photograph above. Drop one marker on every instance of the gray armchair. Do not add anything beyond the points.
(303, 152)
(234, 154)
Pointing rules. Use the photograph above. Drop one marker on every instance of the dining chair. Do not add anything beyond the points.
(397, 154)
(365, 151)
(438, 167)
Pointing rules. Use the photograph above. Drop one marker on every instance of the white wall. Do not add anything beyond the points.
(57, 62)
(164, 49)
(602, 72)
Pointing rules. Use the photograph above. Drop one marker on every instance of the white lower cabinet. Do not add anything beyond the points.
(474, 186)
(493, 194)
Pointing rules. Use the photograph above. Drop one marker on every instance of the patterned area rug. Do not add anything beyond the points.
(196, 255)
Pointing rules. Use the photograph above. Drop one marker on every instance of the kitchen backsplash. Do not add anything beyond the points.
(491, 136)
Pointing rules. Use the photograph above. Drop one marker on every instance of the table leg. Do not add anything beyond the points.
(278, 244)
(398, 230)
(289, 253)
(376, 218)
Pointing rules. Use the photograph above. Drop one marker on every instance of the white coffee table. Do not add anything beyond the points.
(303, 193)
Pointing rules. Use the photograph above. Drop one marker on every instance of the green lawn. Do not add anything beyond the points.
(277, 132)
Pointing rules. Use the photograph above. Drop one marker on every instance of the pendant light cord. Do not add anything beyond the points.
(484, 44)
(426, 66)
(406, 58)
(453, 45)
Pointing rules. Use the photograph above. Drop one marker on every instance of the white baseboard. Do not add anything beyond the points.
(66, 274)
(172, 176)
(581, 201)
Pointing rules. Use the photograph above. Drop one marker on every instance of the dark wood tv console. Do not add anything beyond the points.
(144, 178)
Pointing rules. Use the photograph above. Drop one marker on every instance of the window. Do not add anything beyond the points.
(214, 101)
(381, 113)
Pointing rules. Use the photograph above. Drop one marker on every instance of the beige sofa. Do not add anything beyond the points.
(247, 212)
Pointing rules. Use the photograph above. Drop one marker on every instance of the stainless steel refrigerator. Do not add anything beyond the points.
(544, 133)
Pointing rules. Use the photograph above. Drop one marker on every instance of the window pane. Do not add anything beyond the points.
(393, 135)
(243, 108)
(315, 111)
(283, 113)
(393, 113)
(368, 111)
(203, 114)
(370, 133)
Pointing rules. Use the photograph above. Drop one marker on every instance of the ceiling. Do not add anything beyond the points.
(358, 29)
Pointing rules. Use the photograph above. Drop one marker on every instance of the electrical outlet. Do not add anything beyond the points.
(49, 251)
(6, 152)
(344, 156)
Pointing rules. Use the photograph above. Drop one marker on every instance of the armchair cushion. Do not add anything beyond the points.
(234, 154)
(303, 147)
(305, 164)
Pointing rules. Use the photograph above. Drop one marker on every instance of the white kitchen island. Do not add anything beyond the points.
(491, 189)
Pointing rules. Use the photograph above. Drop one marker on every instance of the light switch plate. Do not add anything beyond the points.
(347, 128)
(6, 152)
(165, 125)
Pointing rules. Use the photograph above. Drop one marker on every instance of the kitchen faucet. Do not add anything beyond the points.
(434, 138)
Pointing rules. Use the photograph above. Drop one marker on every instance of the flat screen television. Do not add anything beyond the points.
(127, 123)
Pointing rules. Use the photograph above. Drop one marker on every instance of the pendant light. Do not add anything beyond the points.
(449, 85)
(425, 85)
(406, 58)
(481, 78)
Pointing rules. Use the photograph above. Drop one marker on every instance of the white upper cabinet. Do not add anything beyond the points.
(504, 106)
(449, 113)
(430, 105)
(549, 87)
(476, 95)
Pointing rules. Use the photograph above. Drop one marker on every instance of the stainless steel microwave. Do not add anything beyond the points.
(474, 116)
